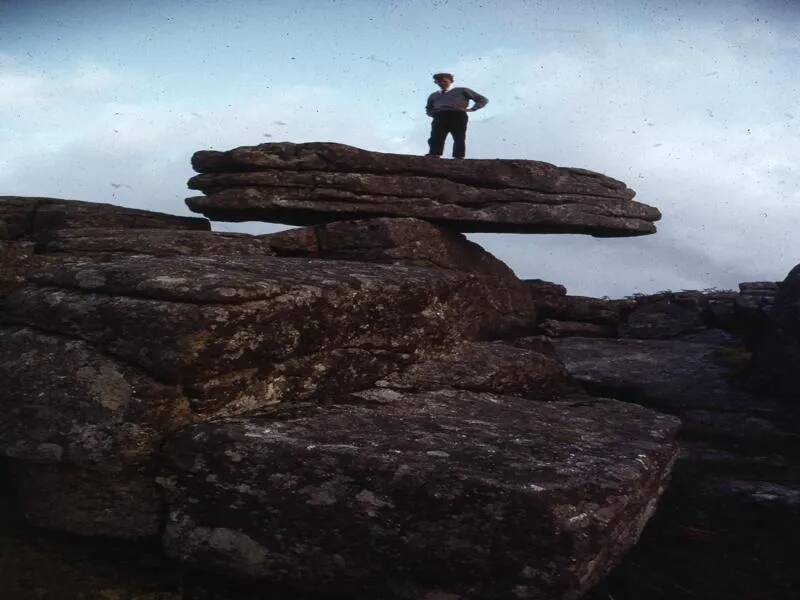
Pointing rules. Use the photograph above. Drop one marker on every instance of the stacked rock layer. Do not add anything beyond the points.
(328, 406)
(313, 183)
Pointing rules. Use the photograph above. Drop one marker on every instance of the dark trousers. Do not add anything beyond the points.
(453, 122)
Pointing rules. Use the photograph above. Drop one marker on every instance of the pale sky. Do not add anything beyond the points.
(695, 105)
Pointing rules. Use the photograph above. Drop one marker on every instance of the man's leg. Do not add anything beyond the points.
(438, 133)
(459, 131)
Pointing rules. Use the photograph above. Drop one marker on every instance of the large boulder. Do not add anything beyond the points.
(243, 332)
(313, 183)
(137, 347)
(408, 241)
(445, 494)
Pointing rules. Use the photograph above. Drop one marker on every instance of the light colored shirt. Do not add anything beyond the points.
(456, 98)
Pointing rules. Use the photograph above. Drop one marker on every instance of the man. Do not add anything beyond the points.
(449, 109)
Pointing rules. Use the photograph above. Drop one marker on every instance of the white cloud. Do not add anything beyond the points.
(702, 122)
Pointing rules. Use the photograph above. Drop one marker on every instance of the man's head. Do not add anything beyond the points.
(443, 80)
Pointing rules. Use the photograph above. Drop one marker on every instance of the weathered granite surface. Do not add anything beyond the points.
(244, 332)
(313, 183)
(99, 243)
(81, 439)
(493, 367)
(30, 228)
(137, 347)
(22, 216)
(672, 375)
(408, 241)
(448, 494)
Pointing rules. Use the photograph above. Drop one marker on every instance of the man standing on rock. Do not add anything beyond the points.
(449, 108)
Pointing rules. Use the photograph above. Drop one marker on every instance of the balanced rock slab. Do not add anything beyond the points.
(443, 494)
(313, 183)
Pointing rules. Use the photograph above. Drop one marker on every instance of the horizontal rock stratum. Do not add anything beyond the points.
(318, 182)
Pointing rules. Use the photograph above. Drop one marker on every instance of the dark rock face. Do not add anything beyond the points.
(125, 504)
(145, 345)
(90, 410)
(82, 438)
(25, 216)
(562, 307)
(313, 183)
(673, 375)
(779, 355)
(31, 227)
(447, 494)
(554, 329)
(100, 243)
(16, 260)
(316, 407)
(540, 287)
(671, 314)
(418, 243)
(485, 367)
(244, 332)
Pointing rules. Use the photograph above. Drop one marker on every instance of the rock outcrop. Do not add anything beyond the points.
(313, 183)
(691, 354)
(440, 494)
(22, 217)
(417, 243)
(149, 344)
(31, 227)
(326, 407)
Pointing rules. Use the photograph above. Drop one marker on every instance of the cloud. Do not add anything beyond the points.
(726, 183)
(701, 120)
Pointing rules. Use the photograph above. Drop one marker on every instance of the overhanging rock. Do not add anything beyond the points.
(314, 183)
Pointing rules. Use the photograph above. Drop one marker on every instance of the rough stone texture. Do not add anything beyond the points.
(778, 357)
(485, 367)
(313, 183)
(447, 494)
(409, 241)
(674, 375)
(540, 287)
(669, 314)
(89, 411)
(82, 439)
(580, 308)
(139, 346)
(102, 242)
(244, 332)
(24, 216)
(554, 328)
(16, 260)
